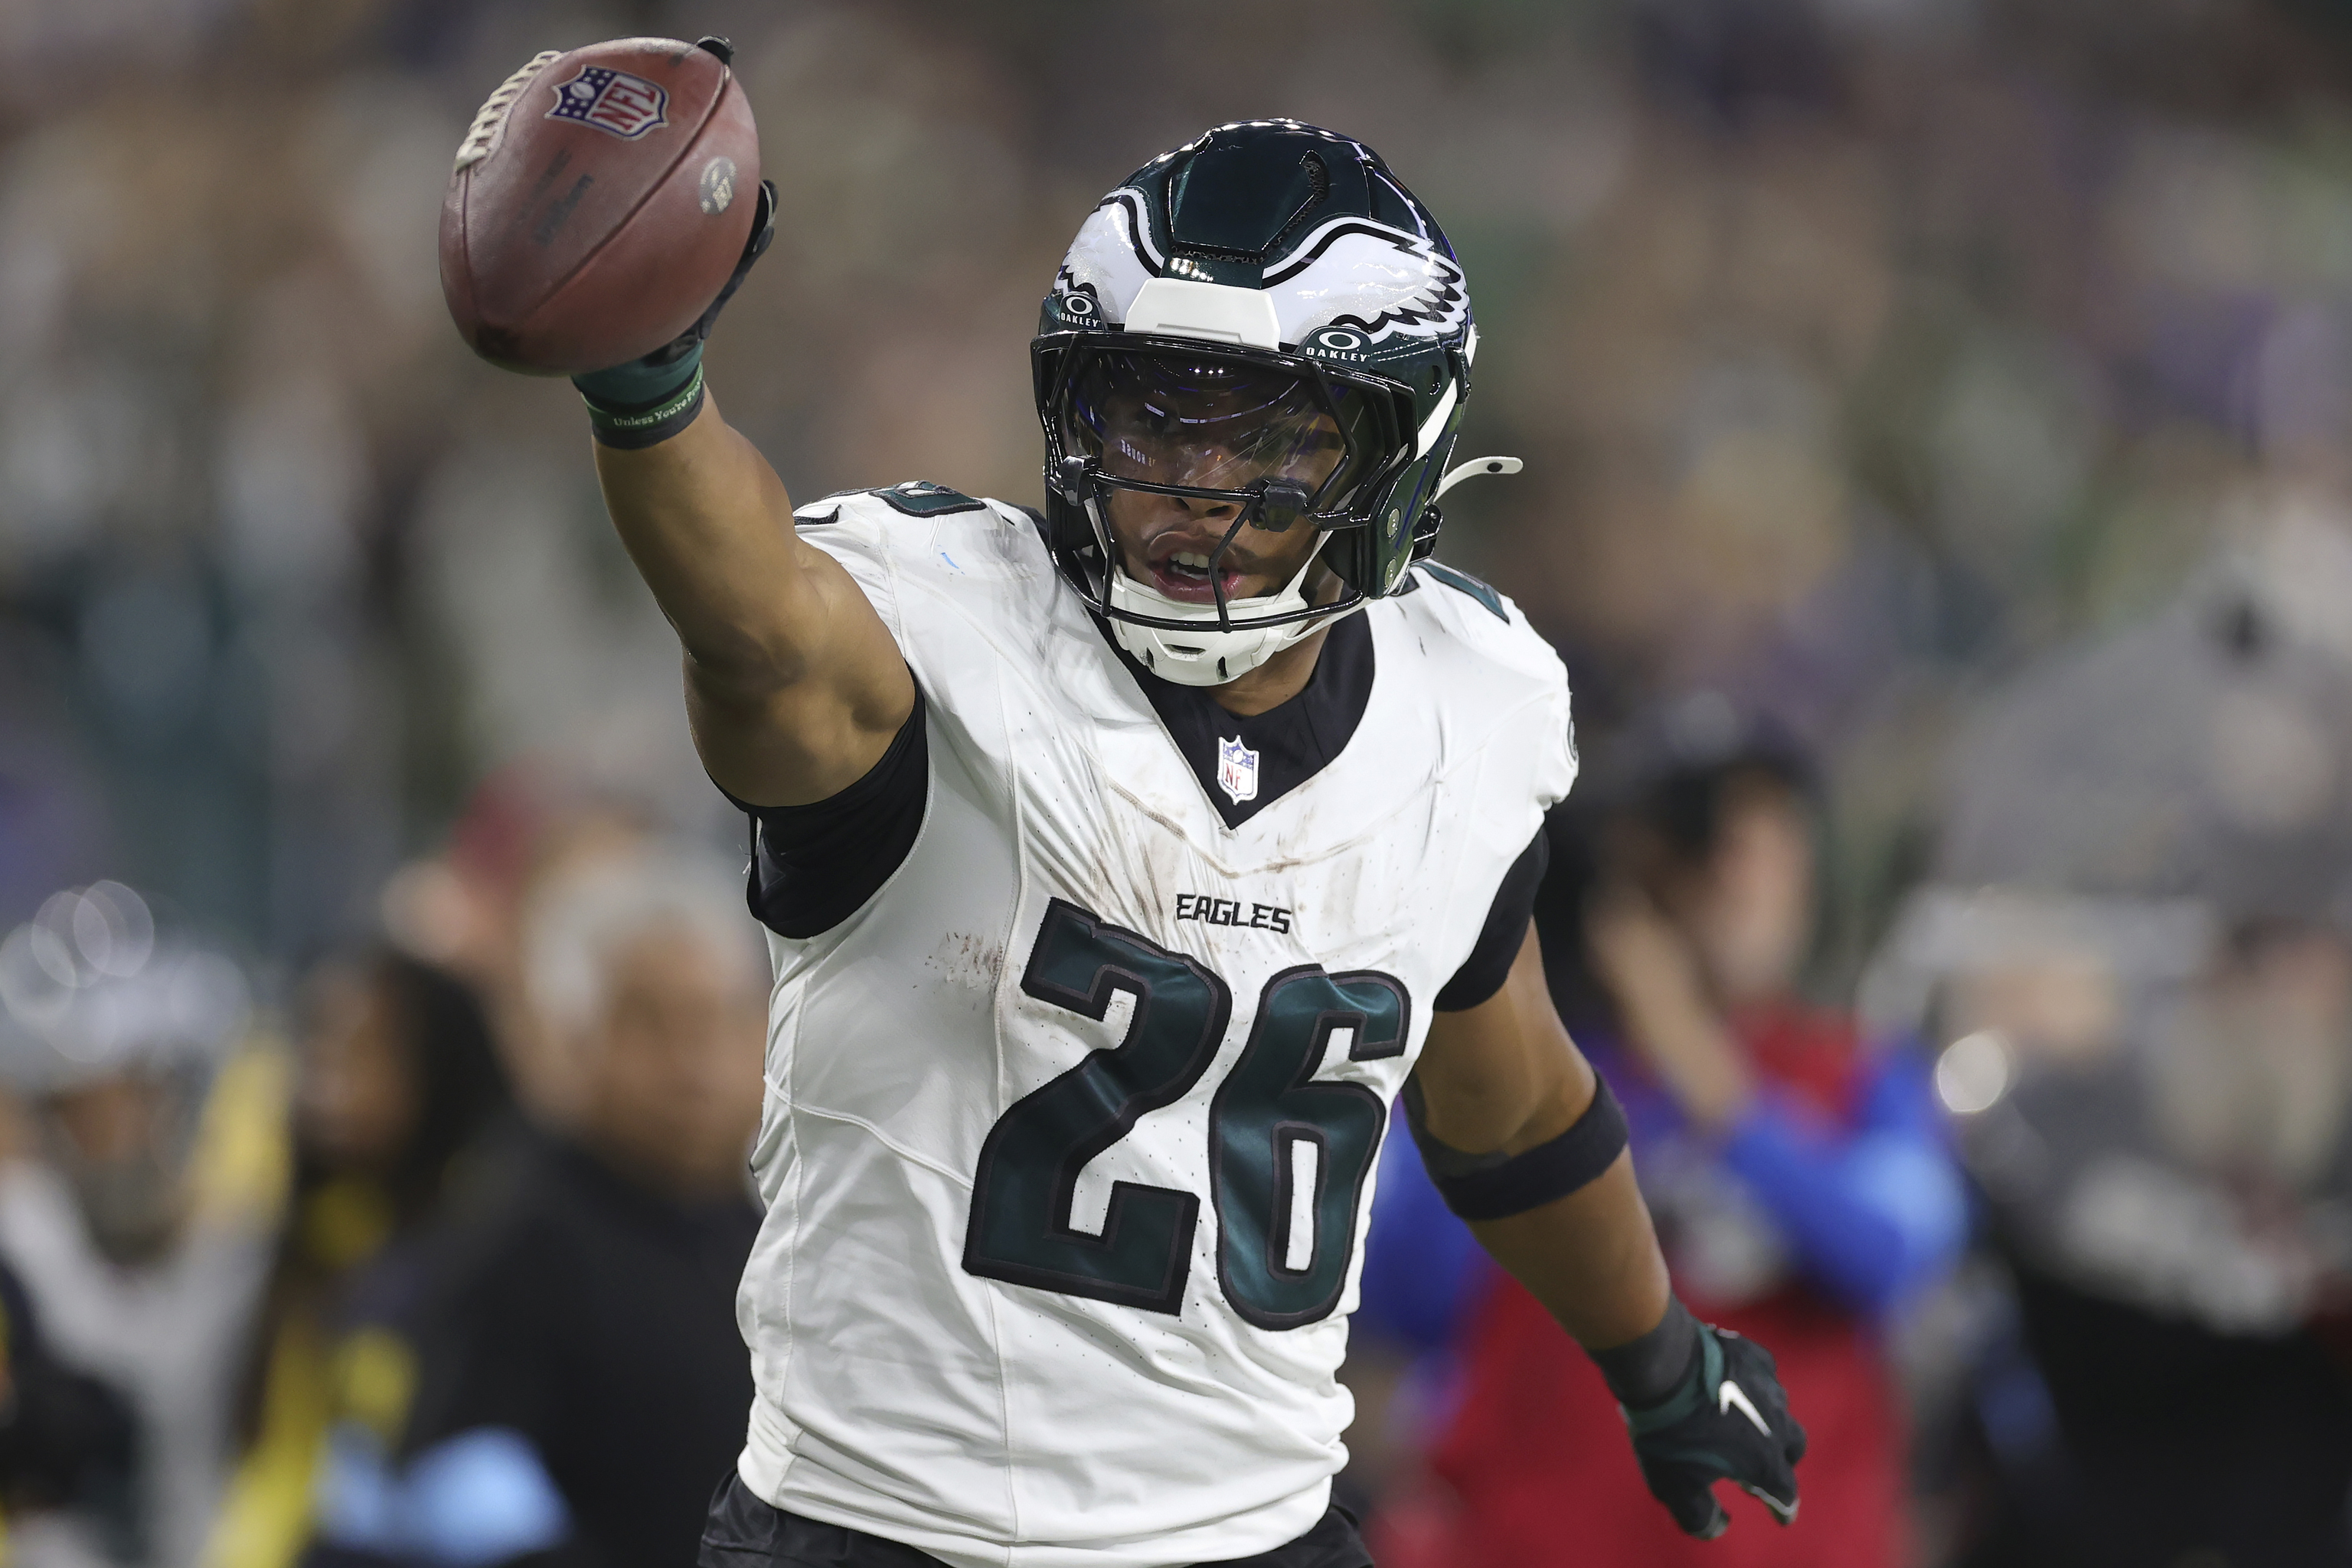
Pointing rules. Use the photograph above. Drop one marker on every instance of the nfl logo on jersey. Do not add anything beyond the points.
(1236, 769)
(627, 106)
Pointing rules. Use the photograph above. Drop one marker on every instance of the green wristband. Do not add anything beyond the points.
(647, 400)
(642, 383)
(643, 426)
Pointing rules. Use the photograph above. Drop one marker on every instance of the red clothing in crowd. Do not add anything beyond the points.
(1537, 1456)
(1535, 1450)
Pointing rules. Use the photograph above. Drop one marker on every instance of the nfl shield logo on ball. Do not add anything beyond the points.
(627, 106)
(1236, 769)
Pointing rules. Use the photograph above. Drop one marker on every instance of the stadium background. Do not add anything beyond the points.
(1857, 350)
(1862, 353)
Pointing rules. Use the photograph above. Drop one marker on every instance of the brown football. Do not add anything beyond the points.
(599, 203)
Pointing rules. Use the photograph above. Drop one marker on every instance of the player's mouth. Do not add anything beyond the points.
(1185, 575)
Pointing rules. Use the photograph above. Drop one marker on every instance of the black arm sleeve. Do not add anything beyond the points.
(1489, 963)
(812, 865)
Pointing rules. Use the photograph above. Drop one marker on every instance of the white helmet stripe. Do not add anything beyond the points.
(1433, 428)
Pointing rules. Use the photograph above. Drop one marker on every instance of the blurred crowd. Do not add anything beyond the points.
(444, 1274)
(1935, 413)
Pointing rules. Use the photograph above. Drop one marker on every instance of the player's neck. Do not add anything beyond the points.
(1275, 682)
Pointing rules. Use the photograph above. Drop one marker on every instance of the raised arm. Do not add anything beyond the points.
(792, 683)
(1525, 1142)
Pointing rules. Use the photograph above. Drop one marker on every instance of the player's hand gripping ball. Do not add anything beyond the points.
(1728, 1422)
(601, 201)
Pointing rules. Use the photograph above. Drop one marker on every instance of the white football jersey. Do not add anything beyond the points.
(1069, 1133)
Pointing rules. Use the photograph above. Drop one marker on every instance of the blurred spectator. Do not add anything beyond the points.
(536, 821)
(397, 1092)
(66, 1439)
(581, 1385)
(1800, 1185)
(141, 1231)
(2141, 957)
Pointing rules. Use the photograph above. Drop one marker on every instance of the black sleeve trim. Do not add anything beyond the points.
(1489, 963)
(813, 865)
(1496, 1186)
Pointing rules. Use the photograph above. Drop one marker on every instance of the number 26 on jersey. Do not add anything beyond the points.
(1287, 1156)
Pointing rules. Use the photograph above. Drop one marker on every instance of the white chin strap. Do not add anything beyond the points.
(1209, 656)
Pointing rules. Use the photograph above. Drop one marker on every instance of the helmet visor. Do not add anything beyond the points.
(1193, 421)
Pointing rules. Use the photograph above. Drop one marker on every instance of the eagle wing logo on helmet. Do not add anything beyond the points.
(1380, 281)
(1350, 272)
(1111, 258)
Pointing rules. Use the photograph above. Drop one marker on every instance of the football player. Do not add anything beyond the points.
(1123, 863)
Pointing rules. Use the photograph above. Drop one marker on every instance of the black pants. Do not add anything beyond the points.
(745, 1532)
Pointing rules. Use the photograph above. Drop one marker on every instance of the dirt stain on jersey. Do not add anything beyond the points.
(963, 959)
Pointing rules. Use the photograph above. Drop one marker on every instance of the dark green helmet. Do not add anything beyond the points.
(1280, 270)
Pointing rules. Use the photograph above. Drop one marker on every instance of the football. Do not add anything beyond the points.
(600, 201)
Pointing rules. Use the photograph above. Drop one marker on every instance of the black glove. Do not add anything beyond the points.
(763, 234)
(650, 399)
(1729, 1420)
